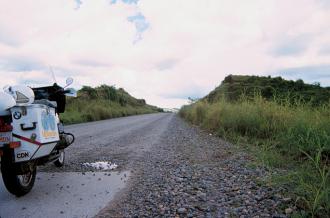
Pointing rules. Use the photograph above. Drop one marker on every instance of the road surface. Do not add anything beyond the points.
(70, 191)
(166, 167)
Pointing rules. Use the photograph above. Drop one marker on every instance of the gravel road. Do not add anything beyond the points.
(180, 171)
(176, 170)
(122, 141)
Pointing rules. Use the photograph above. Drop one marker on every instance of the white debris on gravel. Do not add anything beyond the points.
(101, 165)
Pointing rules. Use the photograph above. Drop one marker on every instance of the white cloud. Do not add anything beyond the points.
(188, 47)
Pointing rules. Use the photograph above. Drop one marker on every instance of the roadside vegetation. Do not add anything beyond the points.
(103, 102)
(285, 124)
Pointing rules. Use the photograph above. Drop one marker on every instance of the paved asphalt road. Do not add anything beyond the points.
(69, 191)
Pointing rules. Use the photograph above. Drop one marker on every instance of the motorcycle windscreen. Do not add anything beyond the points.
(51, 93)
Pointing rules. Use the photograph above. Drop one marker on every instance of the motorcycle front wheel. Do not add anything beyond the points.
(18, 185)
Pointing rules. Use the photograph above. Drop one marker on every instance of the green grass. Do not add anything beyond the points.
(291, 135)
(93, 110)
(103, 102)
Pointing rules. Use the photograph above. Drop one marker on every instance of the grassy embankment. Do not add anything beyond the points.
(285, 124)
(103, 102)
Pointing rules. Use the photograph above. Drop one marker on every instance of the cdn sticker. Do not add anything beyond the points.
(23, 154)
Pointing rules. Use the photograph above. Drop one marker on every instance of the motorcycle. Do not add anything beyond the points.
(31, 133)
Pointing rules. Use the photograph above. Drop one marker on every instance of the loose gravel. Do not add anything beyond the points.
(186, 172)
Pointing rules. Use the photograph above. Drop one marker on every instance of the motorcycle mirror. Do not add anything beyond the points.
(71, 92)
(69, 81)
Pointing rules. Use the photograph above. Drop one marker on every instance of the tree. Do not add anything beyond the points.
(229, 79)
(89, 92)
(192, 100)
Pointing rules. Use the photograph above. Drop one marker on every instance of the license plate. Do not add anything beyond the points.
(5, 138)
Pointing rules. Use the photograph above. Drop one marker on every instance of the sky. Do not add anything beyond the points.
(162, 50)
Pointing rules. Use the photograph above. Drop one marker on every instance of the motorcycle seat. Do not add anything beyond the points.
(46, 102)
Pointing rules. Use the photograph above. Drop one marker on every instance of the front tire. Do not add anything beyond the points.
(60, 161)
(18, 185)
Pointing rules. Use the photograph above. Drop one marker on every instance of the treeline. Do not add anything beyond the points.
(110, 93)
(233, 86)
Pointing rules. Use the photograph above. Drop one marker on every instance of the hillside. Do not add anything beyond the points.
(104, 102)
(233, 86)
(285, 126)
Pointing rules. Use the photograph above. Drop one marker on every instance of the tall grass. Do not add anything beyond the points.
(291, 135)
(82, 110)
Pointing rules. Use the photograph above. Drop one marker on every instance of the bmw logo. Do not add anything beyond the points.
(17, 115)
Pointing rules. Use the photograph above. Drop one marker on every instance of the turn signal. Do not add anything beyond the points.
(14, 144)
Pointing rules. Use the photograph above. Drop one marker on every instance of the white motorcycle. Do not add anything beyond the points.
(31, 133)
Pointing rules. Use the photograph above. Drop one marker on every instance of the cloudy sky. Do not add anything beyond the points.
(163, 50)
